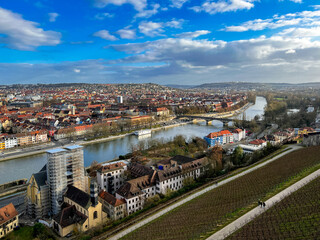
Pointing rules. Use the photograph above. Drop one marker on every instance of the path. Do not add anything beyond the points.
(189, 198)
(240, 222)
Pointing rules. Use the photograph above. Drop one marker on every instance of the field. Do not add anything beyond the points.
(209, 212)
(295, 217)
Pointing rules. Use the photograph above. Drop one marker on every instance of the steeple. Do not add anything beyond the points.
(94, 192)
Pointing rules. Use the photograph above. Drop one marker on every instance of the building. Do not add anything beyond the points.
(167, 174)
(238, 134)
(115, 208)
(111, 176)
(172, 173)
(80, 211)
(119, 99)
(64, 168)
(219, 138)
(38, 204)
(254, 145)
(136, 191)
(9, 219)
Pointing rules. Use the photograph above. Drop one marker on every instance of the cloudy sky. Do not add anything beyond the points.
(166, 42)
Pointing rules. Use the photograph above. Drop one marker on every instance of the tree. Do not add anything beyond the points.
(237, 155)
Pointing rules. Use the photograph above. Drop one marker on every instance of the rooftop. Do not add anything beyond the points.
(73, 147)
(56, 150)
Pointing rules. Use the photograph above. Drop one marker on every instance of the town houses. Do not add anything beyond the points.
(35, 115)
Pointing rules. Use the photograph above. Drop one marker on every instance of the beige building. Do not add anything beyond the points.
(79, 212)
(9, 219)
(115, 208)
(38, 204)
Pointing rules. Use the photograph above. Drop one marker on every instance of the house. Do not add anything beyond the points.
(136, 191)
(305, 130)
(238, 134)
(9, 219)
(79, 211)
(111, 176)
(282, 135)
(254, 145)
(38, 202)
(115, 208)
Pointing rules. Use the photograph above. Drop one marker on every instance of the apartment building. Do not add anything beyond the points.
(9, 219)
(110, 176)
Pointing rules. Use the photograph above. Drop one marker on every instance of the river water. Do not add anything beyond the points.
(105, 151)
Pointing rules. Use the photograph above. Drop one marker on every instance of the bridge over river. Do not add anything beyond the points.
(209, 119)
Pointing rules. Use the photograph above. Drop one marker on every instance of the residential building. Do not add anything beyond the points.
(238, 134)
(115, 208)
(254, 145)
(9, 219)
(134, 192)
(219, 138)
(111, 176)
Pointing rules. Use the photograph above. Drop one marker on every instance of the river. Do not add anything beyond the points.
(105, 151)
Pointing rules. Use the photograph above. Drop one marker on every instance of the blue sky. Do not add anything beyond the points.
(166, 42)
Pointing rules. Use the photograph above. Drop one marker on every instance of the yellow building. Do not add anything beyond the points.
(305, 131)
(2, 145)
(9, 219)
(38, 202)
(79, 212)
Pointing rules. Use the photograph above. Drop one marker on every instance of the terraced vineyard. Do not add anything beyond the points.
(207, 213)
(295, 217)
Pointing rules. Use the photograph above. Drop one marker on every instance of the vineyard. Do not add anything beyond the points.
(209, 212)
(295, 217)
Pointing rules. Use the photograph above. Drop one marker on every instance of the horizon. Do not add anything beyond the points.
(177, 41)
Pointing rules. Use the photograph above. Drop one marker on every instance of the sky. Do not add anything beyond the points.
(186, 42)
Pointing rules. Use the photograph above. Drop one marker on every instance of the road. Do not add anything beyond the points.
(189, 198)
(17, 199)
(240, 222)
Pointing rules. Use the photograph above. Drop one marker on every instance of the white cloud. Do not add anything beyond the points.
(139, 5)
(305, 18)
(22, 34)
(53, 17)
(178, 3)
(301, 32)
(174, 23)
(76, 70)
(151, 29)
(104, 34)
(296, 1)
(221, 6)
(193, 34)
(102, 16)
(127, 33)
(148, 12)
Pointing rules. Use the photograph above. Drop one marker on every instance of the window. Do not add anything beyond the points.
(95, 215)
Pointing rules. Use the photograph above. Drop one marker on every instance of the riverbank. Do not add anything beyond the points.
(16, 154)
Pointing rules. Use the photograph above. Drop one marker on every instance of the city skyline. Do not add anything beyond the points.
(171, 42)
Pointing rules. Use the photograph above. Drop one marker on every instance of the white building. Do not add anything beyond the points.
(254, 145)
(119, 99)
(110, 176)
(10, 142)
(238, 134)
